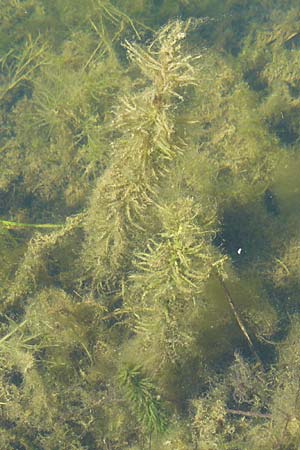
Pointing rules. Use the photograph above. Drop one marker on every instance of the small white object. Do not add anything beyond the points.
(239, 251)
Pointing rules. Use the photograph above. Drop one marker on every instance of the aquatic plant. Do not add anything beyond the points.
(143, 398)
(149, 221)
(142, 154)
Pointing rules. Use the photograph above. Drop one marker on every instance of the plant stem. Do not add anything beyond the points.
(11, 225)
(237, 317)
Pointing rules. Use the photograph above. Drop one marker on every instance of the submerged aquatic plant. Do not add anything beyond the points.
(142, 155)
(149, 217)
(143, 399)
(19, 68)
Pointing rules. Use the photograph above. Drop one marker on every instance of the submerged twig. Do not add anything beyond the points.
(237, 317)
(253, 414)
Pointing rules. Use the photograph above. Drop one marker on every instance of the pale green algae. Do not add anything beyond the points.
(149, 194)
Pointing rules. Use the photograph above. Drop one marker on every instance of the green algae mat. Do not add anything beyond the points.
(149, 225)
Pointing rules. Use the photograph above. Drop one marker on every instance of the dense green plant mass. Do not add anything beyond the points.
(149, 225)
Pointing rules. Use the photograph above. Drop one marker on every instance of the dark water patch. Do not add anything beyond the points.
(294, 90)
(244, 233)
(16, 378)
(18, 446)
(88, 441)
(254, 81)
(285, 133)
(271, 202)
(293, 43)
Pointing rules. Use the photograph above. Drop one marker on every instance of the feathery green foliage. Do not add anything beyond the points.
(149, 217)
(143, 399)
(142, 154)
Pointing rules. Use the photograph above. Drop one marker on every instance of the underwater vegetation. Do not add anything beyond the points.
(149, 225)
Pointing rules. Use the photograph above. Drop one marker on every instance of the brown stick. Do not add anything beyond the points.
(237, 317)
(249, 413)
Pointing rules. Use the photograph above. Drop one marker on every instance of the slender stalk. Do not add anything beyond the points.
(8, 335)
(237, 317)
(12, 225)
(249, 414)
(24, 66)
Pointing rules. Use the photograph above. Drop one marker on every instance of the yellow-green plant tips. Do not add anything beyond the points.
(149, 231)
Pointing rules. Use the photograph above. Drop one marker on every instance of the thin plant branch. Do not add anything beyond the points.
(237, 317)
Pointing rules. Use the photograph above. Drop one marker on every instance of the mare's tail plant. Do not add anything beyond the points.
(142, 154)
(143, 399)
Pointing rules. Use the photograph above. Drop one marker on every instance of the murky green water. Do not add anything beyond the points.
(149, 224)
